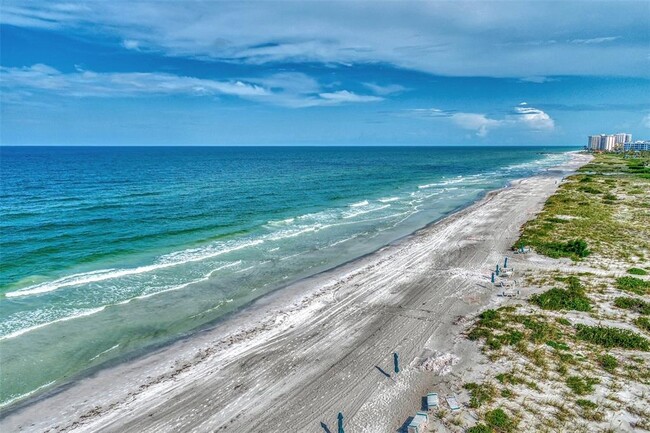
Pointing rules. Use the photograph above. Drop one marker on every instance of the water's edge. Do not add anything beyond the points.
(249, 307)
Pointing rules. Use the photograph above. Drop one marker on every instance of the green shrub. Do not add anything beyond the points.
(637, 271)
(493, 343)
(478, 332)
(559, 299)
(557, 346)
(480, 393)
(541, 331)
(634, 285)
(590, 190)
(563, 321)
(643, 323)
(490, 319)
(511, 338)
(499, 420)
(586, 404)
(638, 305)
(575, 249)
(610, 197)
(581, 385)
(608, 362)
(508, 378)
(612, 337)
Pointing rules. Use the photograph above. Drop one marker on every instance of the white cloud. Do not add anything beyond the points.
(388, 89)
(285, 89)
(537, 79)
(523, 116)
(476, 122)
(130, 44)
(346, 96)
(534, 118)
(595, 40)
(87, 83)
(448, 38)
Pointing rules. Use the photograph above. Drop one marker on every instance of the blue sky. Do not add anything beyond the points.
(313, 72)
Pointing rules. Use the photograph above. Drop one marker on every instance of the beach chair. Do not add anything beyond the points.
(453, 403)
(432, 401)
(419, 423)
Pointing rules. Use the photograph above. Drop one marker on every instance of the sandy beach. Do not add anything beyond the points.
(294, 359)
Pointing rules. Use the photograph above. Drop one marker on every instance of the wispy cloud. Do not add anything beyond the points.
(481, 123)
(346, 96)
(285, 89)
(388, 89)
(447, 38)
(537, 79)
(87, 83)
(130, 44)
(599, 40)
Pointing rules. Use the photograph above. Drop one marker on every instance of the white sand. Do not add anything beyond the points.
(296, 358)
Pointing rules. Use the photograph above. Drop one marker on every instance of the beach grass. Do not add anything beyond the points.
(601, 209)
(582, 332)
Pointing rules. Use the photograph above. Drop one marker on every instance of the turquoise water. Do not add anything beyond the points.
(109, 250)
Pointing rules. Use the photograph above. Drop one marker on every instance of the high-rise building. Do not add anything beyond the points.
(607, 142)
(610, 143)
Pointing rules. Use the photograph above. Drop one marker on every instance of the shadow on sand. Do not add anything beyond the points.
(404, 428)
(381, 370)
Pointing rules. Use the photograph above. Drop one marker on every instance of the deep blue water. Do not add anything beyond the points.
(120, 248)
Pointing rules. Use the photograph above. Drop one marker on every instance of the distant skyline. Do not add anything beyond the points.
(323, 73)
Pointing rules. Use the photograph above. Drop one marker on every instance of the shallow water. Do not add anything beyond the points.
(110, 250)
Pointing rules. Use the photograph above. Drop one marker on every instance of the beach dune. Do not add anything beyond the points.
(295, 358)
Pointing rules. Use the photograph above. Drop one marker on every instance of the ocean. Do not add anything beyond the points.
(107, 251)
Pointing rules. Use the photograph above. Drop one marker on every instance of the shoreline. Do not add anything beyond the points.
(34, 396)
(285, 312)
(47, 390)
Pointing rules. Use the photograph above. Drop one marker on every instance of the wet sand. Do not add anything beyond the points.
(295, 358)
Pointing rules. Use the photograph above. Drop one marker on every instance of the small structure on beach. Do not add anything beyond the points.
(522, 250)
(432, 401)
(508, 284)
(453, 403)
(419, 423)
